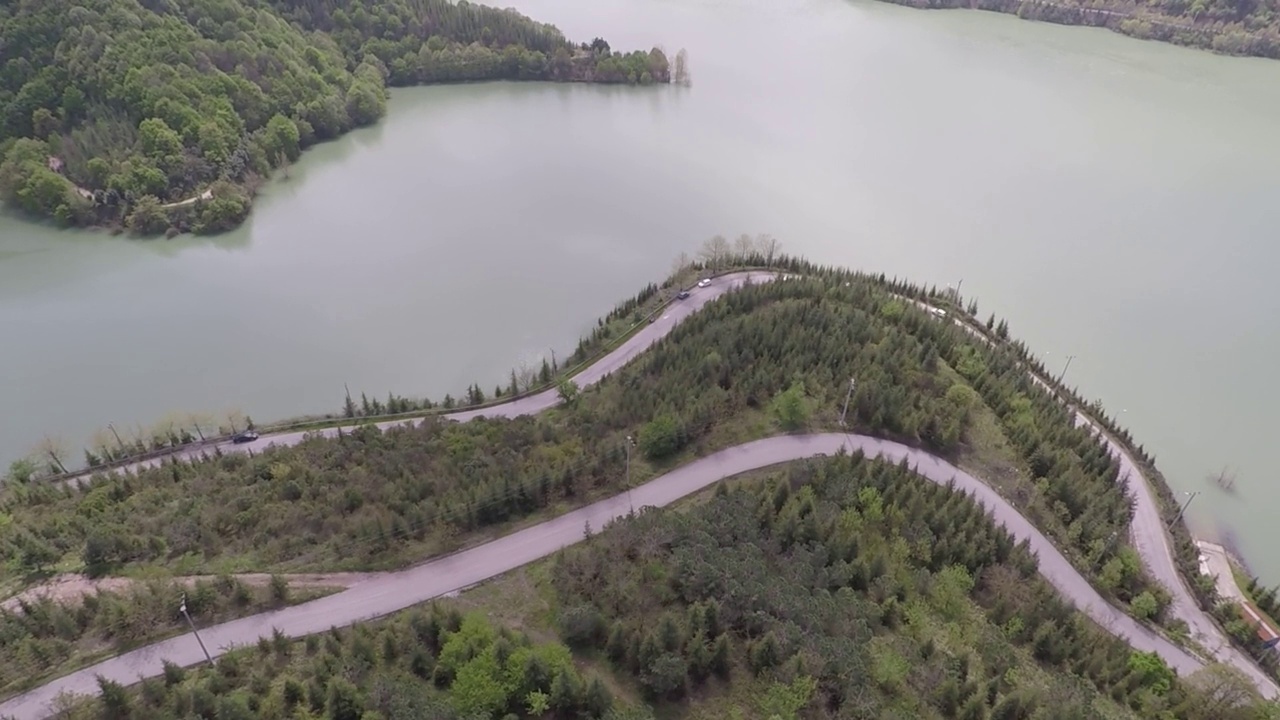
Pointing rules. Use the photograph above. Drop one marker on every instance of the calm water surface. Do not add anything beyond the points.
(1113, 198)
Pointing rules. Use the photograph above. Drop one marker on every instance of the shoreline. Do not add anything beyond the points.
(1226, 537)
(1126, 19)
(562, 372)
(181, 214)
(663, 291)
(641, 307)
(1162, 557)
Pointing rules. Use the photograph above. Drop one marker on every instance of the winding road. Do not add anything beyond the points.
(1151, 540)
(390, 592)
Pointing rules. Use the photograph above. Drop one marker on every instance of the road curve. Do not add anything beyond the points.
(397, 590)
(391, 592)
(671, 316)
(1151, 541)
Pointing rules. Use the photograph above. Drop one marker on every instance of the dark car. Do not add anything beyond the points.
(247, 436)
(682, 294)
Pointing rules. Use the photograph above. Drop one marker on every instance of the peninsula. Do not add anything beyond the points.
(164, 117)
(893, 568)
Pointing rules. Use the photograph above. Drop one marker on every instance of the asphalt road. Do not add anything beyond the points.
(672, 315)
(395, 591)
(1152, 543)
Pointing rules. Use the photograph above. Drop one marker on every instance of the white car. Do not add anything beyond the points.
(704, 282)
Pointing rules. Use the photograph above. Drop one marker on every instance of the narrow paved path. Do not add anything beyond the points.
(206, 195)
(391, 592)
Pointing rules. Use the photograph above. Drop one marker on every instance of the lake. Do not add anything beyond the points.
(1113, 198)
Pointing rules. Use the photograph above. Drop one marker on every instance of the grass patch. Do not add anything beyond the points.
(49, 640)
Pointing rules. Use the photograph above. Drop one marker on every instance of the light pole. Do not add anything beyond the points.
(1064, 368)
(183, 609)
(852, 383)
(1190, 496)
(1112, 539)
(630, 443)
(112, 428)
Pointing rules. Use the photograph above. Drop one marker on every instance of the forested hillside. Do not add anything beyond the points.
(112, 109)
(1234, 27)
(766, 359)
(865, 592)
(818, 593)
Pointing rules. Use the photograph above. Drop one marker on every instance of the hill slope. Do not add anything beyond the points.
(841, 588)
(111, 109)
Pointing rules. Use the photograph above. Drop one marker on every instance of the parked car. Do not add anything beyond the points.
(247, 436)
(682, 294)
(704, 282)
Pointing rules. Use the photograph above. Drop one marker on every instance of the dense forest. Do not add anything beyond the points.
(163, 115)
(770, 358)
(816, 593)
(1234, 27)
(877, 593)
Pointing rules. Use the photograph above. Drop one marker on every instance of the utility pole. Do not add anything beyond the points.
(1064, 368)
(183, 609)
(852, 383)
(630, 444)
(1110, 548)
(1176, 518)
(112, 428)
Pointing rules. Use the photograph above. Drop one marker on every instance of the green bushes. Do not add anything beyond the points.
(853, 588)
(425, 663)
(791, 407)
(846, 587)
(662, 437)
(41, 637)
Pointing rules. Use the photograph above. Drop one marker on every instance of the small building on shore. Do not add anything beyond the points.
(1266, 629)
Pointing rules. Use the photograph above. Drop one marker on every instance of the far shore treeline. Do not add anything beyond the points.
(163, 117)
(1229, 27)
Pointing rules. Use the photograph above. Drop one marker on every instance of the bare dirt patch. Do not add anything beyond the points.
(68, 588)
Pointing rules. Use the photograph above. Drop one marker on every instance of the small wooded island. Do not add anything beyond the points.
(163, 116)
